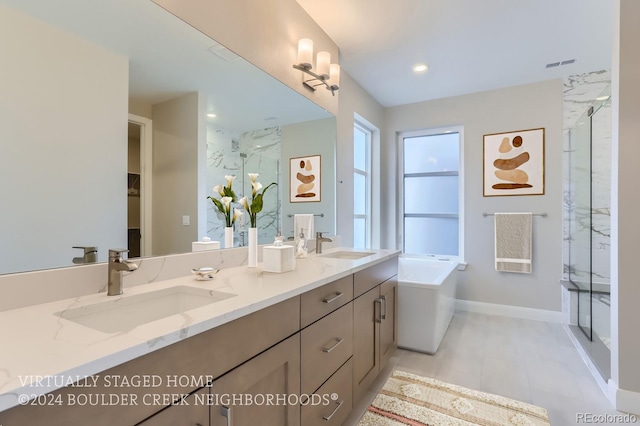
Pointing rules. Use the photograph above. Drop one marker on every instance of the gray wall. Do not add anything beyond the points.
(625, 227)
(355, 100)
(63, 145)
(516, 108)
(176, 153)
(306, 139)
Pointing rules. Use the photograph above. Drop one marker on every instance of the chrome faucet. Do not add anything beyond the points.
(90, 255)
(319, 240)
(117, 265)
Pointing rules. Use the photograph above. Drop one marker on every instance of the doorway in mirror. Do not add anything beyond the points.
(138, 186)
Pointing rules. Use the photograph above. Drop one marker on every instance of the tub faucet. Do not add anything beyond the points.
(117, 265)
(319, 240)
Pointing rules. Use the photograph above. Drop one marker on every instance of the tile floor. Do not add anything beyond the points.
(531, 361)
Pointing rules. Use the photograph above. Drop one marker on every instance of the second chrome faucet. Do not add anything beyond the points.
(118, 265)
(319, 240)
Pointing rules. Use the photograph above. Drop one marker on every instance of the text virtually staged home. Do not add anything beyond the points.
(291, 212)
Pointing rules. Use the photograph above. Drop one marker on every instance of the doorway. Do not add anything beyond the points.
(139, 186)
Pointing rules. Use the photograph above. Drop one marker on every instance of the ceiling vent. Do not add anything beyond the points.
(557, 64)
(223, 52)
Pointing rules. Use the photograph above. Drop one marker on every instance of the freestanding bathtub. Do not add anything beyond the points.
(426, 301)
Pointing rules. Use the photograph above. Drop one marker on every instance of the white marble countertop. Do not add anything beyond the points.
(42, 352)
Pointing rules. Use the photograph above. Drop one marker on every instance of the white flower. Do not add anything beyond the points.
(227, 202)
(229, 180)
(257, 186)
(218, 189)
(253, 176)
(245, 203)
(236, 213)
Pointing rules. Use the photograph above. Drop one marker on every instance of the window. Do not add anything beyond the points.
(361, 186)
(431, 188)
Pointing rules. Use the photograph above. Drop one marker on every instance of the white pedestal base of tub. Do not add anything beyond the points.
(426, 301)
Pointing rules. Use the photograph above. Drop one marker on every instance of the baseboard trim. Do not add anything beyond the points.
(624, 400)
(509, 311)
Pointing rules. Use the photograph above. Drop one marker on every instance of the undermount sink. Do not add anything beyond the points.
(127, 312)
(349, 255)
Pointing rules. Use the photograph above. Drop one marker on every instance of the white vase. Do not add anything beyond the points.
(228, 237)
(253, 247)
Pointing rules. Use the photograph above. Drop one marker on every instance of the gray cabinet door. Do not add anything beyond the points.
(389, 320)
(366, 344)
(241, 397)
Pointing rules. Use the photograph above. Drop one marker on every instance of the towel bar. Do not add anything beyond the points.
(321, 215)
(534, 214)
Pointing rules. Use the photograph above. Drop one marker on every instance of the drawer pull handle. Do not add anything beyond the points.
(226, 412)
(338, 295)
(379, 314)
(327, 418)
(338, 341)
(383, 314)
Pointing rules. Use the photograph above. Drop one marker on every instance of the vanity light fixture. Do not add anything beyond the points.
(325, 73)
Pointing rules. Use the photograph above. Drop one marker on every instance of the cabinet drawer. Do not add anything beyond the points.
(325, 346)
(336, 412)
(323, 300)
(367, 279)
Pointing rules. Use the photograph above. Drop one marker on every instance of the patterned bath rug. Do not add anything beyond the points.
(408, 399)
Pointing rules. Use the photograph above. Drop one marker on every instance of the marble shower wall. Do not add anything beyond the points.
(585, 219)
(233, 153)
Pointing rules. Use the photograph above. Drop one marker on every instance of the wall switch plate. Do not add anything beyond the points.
(185, 220)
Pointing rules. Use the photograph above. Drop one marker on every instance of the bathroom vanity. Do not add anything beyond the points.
(293, 348)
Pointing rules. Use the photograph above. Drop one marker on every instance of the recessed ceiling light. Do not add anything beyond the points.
(211, 115)
(420, 68)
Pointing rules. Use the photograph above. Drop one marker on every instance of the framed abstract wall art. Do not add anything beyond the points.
(513, 163)
(304, 179)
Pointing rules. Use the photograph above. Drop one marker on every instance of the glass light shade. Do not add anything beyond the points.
(305, 52)
(334, 75)
(322, 64)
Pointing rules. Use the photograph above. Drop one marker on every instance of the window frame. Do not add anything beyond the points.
(401, 177)
(357, 125)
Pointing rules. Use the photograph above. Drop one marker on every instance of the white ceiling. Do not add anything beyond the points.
(469, 45)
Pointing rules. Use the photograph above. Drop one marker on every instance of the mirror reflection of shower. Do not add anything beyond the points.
(254, 151)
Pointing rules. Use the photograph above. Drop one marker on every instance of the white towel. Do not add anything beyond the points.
(303, 223)
(513, 235)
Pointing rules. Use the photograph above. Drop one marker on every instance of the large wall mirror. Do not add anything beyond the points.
(116, 121)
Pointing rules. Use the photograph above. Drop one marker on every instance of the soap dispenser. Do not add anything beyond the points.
(301, 248)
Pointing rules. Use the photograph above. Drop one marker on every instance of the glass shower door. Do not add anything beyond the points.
(580, 219)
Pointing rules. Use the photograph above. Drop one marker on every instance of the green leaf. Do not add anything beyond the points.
(218, 204)
(256, 204)
(228, 192)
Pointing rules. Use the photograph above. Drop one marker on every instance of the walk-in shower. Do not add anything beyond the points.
(589, 219)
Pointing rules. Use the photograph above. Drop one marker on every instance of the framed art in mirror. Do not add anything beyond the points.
(305, 179)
